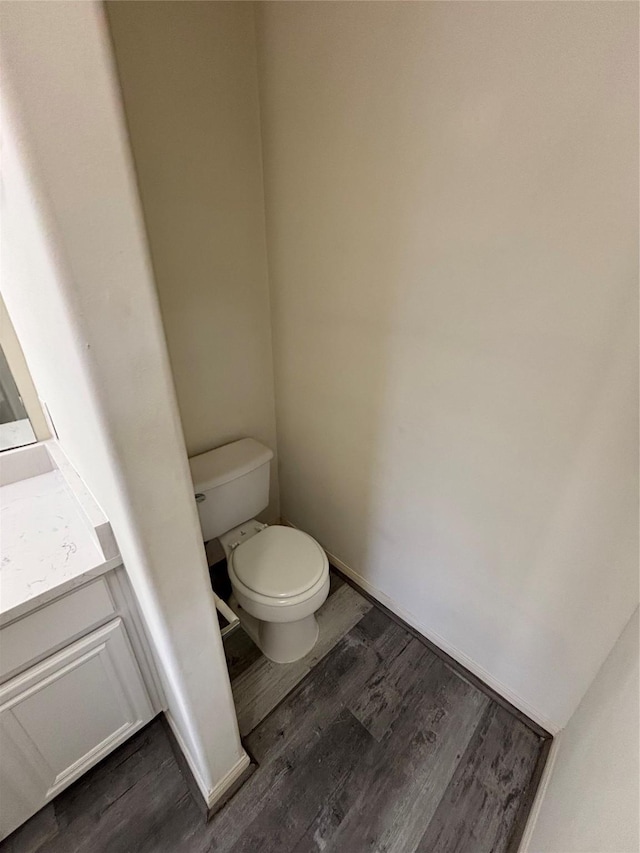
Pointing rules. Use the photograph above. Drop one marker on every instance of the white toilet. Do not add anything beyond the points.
(279, 576)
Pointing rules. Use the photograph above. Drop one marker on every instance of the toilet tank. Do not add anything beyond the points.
(231, 484)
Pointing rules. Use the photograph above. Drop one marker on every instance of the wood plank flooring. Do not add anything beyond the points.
(379, 746)
(261, 685)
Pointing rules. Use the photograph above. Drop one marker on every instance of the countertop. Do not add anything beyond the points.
(48, 544)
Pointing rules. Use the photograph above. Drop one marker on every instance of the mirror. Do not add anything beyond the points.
(15, 426)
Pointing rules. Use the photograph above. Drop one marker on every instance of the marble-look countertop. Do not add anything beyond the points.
(47, 546)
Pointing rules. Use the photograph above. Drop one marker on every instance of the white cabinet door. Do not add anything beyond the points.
(62, 716)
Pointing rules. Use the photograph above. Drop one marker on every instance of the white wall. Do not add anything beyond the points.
(451, 194)
(78, 285)
(190, 89)
(591, 800)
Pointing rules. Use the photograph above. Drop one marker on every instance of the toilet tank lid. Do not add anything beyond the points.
(219, 466)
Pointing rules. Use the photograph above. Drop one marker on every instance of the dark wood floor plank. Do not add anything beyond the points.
(478, 809)
(374, 624)
(178, 827)
(390, 687)
(282, 742)
(334, 808)
(335, 582)
(287, 808)
(285, 736)
(33, 835)
(127, 806)
(261, 687)
(240, 652)
(455, 665)
(334, 680)
(95, 792)
(382, 747)
(407, 775)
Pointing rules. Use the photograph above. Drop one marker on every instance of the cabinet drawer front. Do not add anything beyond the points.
(63, 715)
(38, 633)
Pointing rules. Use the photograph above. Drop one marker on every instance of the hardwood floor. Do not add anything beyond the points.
(379, 746)
(261, 685)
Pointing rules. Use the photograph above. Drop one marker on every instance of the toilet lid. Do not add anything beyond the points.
(279, 562)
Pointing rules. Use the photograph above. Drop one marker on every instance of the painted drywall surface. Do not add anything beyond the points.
(591, 801)
(189, 84)
(451, 194)
(78, 286)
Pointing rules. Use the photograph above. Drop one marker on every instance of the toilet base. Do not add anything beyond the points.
(281, 642)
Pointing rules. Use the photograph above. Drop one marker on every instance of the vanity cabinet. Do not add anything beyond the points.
(64, 712)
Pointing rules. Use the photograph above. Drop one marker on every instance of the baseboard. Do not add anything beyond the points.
(463, 659)
(229, 784)
(210, 800)
(547, 726)
(540, 794)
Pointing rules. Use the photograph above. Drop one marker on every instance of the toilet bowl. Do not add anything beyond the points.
(279, 575)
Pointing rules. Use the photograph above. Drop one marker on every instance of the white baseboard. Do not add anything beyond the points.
(228, 780)
(540, 794)
(446, 647)
(443, 644)
(210, 795)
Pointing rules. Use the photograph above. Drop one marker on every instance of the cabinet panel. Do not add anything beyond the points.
(63, 715)
(58, 622)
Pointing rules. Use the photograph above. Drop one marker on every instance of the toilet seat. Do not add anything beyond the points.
(280, 577)
(279, 565)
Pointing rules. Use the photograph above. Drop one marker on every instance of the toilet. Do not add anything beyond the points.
(279, 575)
